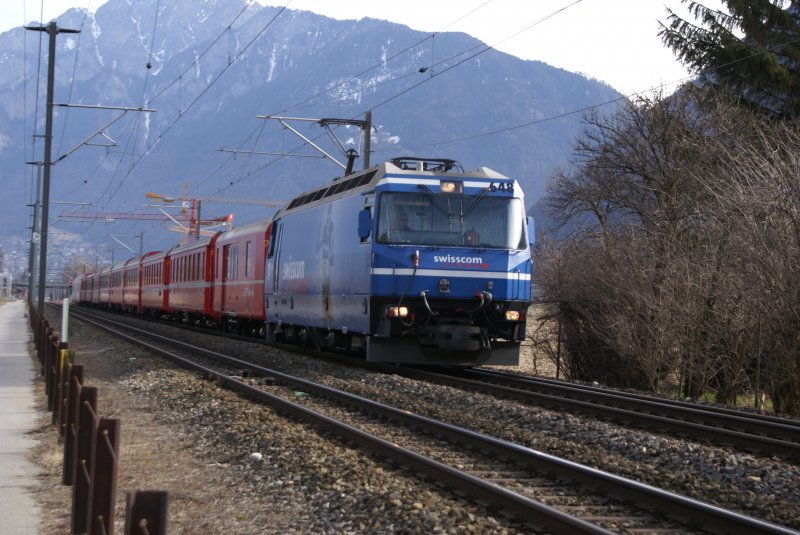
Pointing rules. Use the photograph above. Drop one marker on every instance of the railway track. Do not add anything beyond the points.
(757, 433)
(762, 434)
(784, 429)
(542, 490)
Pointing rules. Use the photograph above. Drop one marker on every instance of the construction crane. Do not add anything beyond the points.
(193, 204)
(111, 216)
(193, 226)
(221, 200)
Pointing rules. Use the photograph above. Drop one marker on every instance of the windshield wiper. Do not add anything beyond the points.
(433, 197)
(461, 215)
(450, 217)
(478, 199)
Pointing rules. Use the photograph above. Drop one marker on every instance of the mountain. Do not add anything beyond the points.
(210, 67)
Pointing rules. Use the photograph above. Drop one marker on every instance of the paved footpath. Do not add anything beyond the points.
(19, 513)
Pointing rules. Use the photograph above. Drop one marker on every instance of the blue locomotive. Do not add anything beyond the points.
(411, 261)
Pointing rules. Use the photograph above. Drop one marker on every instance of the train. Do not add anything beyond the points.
(412, 261)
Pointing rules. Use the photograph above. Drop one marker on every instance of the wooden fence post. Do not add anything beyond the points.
(75, 381)
(146, 512)
(84, 463)
(104, 477)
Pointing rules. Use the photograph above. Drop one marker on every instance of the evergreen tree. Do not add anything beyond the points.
(752, 52)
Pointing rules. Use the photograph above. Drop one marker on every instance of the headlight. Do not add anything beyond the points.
(451, 187)
(397, 312)
(512, 315)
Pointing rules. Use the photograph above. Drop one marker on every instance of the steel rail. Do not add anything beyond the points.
(534, 512)
(696, 430)
(743, 416)
(710, 517)
(748, 432)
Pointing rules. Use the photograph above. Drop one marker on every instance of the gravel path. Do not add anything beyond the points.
(182, 434)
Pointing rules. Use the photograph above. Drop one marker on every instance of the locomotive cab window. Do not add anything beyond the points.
(433, 218)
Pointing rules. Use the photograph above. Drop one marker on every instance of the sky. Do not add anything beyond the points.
(615, 41)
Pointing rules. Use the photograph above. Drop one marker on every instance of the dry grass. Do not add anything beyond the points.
(153, 456)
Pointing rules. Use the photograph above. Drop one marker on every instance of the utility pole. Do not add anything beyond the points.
(52, 30)
(197, 224)
(34, 231)
(367, 129)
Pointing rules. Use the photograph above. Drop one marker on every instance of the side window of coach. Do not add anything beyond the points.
(248, 256)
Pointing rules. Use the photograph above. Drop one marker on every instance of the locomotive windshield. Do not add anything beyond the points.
(429, 218)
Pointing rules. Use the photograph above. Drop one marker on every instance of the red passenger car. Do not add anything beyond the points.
(239, 277)
(75, 294)
(105, 287)
(94, 289)
(131, 284)
(85, 290)
(154, 293)
(217, 280)
(191, 279)
(115, 286)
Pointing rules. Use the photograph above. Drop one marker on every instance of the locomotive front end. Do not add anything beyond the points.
(451, 273)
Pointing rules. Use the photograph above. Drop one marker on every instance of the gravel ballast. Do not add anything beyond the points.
(232, 467)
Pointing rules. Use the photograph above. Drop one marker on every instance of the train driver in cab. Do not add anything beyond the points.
(472, 237)
(400, 221)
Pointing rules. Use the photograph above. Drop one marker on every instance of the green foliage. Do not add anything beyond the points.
(752, 52)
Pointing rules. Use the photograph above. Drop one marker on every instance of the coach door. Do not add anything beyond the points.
(276, 257)
(271, 261)
(226, 266)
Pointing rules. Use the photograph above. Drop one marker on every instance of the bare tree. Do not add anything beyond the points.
(759, 208)
(683, 254)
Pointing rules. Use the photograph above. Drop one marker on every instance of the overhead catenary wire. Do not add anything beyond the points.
(518, 126)
(210, 84)
(585, 109)
(209, 47)
(170, 126)
(148, 66)
(243, 174)
(382, 62)
(137, 121)
(255, 136)
(152, 44)
(135, 161)
(37, 86)
(481, 51)
(430, 69)
(72, 78)
(71, 84)
(165, 130)
(482, 48)
(560, 115)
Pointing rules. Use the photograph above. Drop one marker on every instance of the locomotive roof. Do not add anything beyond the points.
(369, 178)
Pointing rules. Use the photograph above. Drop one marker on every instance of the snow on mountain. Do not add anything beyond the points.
(214, 66)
